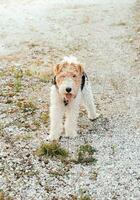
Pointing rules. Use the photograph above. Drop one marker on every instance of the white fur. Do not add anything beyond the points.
(66, 83)
(88, 101)
(71, 111)
(57, 110)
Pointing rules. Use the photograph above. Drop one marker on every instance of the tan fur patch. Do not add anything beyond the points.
(66, 70)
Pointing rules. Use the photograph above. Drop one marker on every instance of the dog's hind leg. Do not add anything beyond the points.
(56, 115)
(88, 101)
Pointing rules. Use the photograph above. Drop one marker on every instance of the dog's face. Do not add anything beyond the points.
(68, 79)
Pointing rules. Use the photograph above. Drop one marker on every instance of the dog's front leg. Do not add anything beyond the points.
(89, 102)
(56, 115)
(72, 113)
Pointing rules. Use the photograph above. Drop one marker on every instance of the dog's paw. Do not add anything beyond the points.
(92, 118)
(53, 137)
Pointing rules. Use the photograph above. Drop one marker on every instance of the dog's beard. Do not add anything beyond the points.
(68, 97)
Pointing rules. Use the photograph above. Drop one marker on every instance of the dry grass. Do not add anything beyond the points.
(27, 106)
(2, 195)
(25, 137)
(44, 116)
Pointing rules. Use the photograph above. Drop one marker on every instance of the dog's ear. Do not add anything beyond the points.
(57, 69)
(80, 69)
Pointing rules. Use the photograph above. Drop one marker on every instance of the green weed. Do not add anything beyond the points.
(17, 84)
(52, 150)
(44, 117)
(85, 154)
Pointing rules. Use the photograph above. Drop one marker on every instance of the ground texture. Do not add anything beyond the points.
(105, 36)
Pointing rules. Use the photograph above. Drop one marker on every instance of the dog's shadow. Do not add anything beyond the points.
(97, 126)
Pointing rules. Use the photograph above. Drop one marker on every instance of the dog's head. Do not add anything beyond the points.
(68, 79)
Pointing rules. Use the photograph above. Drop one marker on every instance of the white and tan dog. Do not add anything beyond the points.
(70, 86)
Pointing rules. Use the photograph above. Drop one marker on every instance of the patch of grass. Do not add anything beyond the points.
(85, 196)
(24, 137)
(85, 154)
(31, 173)
(74, 197)
(45, 78)
(114, 84)
(37, 123)
(52, 150)
(56, 173)
(18, 73)
(1, 125)
(37, 62)
(48, 188)
(17, 84)
(27, 106)
(94, 176)
(2, 73)
(28, 72)
(87, 148)
(44, 117)
(8, 101)
(1, 195)
(1, 129)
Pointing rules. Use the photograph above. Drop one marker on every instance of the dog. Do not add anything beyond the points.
(70, 85)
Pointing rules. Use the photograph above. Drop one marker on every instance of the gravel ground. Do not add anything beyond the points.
(105, 36)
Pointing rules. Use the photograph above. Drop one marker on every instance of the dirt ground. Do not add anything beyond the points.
(105, 36)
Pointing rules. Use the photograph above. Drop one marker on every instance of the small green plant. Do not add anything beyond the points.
(36, 123)
(44, 117)
(18, 73)
(17, 84)
(27, 106)
(27, 72)
(45, 78)
(52, 150)
(85, 154)
(87, 148)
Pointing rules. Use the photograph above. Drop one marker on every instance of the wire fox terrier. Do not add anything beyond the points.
(70, 86)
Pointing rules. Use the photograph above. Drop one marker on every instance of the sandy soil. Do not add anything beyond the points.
(105, 36)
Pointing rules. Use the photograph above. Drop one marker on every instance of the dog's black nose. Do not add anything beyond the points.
(68, 89)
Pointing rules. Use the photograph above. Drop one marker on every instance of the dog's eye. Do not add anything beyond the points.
(74, 76)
